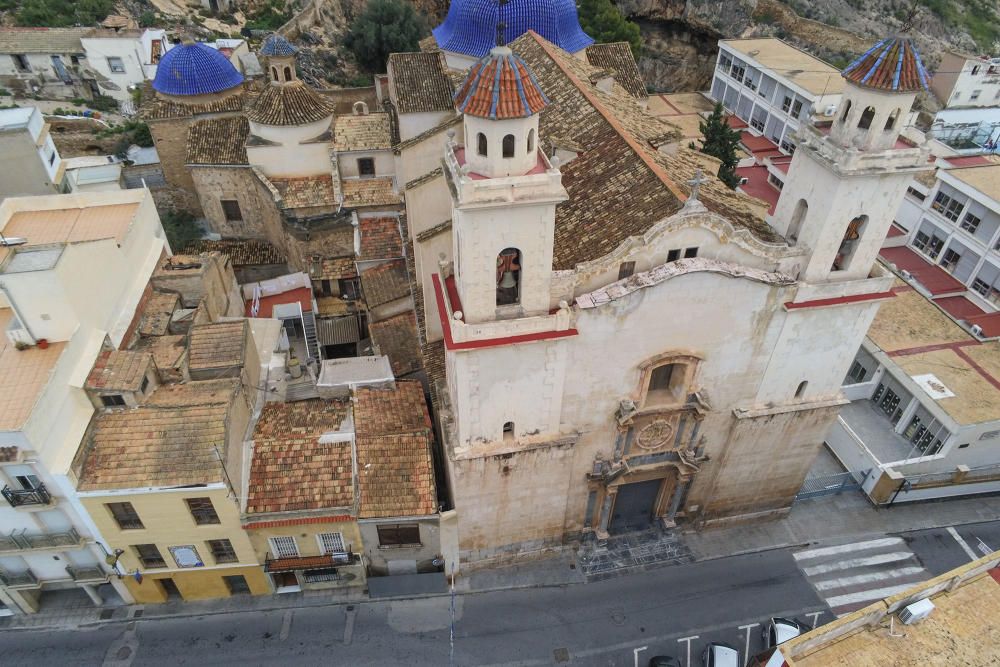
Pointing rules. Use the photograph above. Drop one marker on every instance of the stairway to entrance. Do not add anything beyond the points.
(632, 552)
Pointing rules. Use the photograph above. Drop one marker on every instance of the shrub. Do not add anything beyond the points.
(180, 228)
(605, 23)
(384, 27)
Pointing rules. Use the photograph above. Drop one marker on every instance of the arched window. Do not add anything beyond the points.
(481, 144)
(795, 227)
(288, 73)
(852, 238)
(801, 390)
(508, 431)
(890, 122)
(274, 73)
(866, 118)
(508, 146)
(847, 110)
(531, 140)
(508, 277)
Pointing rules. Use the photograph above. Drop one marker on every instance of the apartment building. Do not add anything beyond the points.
(25, 141)
(774, 87)
(962, 80)
(72, 273)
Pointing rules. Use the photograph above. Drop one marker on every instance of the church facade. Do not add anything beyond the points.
(622, 341)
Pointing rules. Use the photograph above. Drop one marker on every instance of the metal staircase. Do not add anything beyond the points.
(309, 328)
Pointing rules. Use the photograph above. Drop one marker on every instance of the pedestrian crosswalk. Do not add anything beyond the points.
(851, 576)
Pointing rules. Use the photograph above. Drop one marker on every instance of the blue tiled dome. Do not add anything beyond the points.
(471, 25)
(195, 69)
(276, 45)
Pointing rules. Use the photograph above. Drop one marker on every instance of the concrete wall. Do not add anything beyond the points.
(347, 162)
(129, 50)
(379, 558)
(261, 219)
(31, 176)
(42, 74)
(295, 153)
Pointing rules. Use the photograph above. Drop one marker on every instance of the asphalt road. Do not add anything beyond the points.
(673, 611)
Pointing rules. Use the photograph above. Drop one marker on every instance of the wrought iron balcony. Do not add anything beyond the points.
(24, 579)
(23, 497)
(20, 541)
(91, 573)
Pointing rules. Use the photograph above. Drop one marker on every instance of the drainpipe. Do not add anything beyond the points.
(902, 485)
(17, 312)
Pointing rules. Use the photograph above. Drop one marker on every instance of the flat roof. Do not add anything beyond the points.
(11, 119)
(23, 375)
(922, 340)
(71, 225)
(32, 259)
(985, 179)
(803, 69)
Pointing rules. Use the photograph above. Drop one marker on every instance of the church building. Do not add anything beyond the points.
(617, 340)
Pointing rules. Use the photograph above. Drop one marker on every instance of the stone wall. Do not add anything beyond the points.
(170, 138)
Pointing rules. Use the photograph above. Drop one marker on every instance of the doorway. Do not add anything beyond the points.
(635, 507)
(170, 588)
(285, 582)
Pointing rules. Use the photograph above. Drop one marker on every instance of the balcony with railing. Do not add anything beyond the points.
(27, 497)
(88, 574)
(22, 541)
(25, 579)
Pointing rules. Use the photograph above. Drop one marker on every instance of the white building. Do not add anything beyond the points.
(45, 61)
(962, 80)
(622, 341)
(25, 141)
(69, 290)
(774, 87)
(121, 60)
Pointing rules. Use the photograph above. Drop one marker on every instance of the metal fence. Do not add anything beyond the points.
(829, 485)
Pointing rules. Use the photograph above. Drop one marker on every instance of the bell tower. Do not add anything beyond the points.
(280, 56)
(846, 182)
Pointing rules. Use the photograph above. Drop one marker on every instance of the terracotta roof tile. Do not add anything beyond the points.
(396, 471)
(59, 41)
(289, 104)
(121, 370)
(380, 238)
(157, 313)
(334, 268)
(241, 252)
(217, 346)
(384, 283)
(168, 351)
(396, 337)
(370, 192)
(362, 132)
(892, 64)
(218, 141)
(171, 441)
(420, 82)
(500, 86)
(617, 57)
(305, 192)
(291, 470)
(153, 107)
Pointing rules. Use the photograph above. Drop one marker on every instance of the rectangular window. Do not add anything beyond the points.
(970, 223)
(284, 547)
(321, 575)
(980, 287)
(331, 543)
(788, 146)
(21, 62)
(237, 584)
(396, 535)
(797, 108)
(725, 62)
(28, 482)
(786, 104)
(775, 181)
(929, 245)
(690, 252)
(857, 373)
(625, 269)
(145, 385)
(946, 206)
(125, 515)
(149, 556)
(116, 65)
(757, 123)
(975, 95)
(673, 255)
(350, 289)
(916, 194)
(366, 166)
(113, 400)
(202, 510)
(231, 209)
(738, 71)
(950, 259)
(223, 551)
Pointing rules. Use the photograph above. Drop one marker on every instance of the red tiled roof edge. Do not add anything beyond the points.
(339, 518)
(610, 118)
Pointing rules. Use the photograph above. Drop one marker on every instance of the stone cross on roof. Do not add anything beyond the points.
(695, 183)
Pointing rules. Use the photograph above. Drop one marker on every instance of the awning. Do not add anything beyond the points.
(299, 563)
(338, 330)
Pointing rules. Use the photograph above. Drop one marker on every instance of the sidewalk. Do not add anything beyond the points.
(842, 518)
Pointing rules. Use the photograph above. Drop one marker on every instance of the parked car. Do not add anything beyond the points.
(664, 661)
(780, 630)
(720, 655)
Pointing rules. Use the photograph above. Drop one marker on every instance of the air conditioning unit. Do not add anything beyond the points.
(916, 612)
(830, 110)
(907, 276)
(8, 241)
(976, 330)
(744, 180)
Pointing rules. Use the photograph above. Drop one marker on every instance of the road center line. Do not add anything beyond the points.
(965, 547)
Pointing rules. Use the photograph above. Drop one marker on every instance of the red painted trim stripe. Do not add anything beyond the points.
(837, 300)
(908, 351)
(340, 518)
(450, 343)
(979, 369)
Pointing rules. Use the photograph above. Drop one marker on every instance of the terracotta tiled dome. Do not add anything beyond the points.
(500, 86)
(892, 65)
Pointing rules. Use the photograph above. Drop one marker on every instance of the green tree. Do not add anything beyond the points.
(384, 27)
(720, 141)
(180, 228)
(605, 23)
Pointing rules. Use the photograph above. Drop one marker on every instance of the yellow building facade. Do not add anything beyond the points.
(185, 543)
(313, 539)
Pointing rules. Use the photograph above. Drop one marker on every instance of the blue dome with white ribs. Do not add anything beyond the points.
(276, 45)
(471, 25)
(195, 69)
